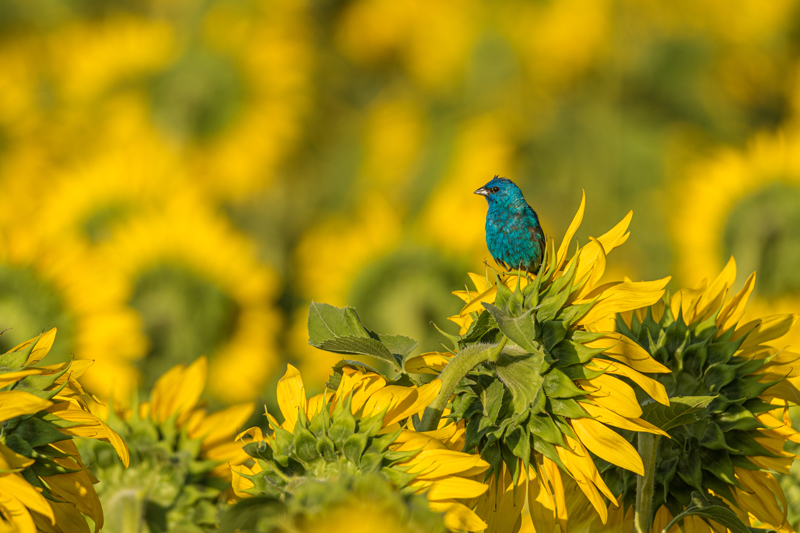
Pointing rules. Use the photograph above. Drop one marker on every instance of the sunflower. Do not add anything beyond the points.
(734, 451)
(44, 484)
(199, 286)
(181, 452)
(540, 385)
(742, 204)
(348, 504)
(359, 427)
(49, 282)
(259, 59)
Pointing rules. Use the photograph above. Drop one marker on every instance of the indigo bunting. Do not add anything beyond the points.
(513, 234)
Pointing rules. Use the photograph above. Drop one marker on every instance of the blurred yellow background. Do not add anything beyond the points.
(182, 177)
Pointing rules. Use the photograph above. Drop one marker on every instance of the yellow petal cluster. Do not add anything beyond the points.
(58, 400)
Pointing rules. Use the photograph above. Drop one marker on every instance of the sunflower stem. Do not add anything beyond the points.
(451, 376)
(643, 513)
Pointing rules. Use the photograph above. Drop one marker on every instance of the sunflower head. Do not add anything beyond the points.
(348, 503)
(359, 430)
(729, 448)
(180, 455)
(44, 483)
(544, 381)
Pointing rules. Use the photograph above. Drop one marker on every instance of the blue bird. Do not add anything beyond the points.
(513, 234)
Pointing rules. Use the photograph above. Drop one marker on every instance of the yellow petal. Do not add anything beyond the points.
(178, 390)
(12, 377)
(713, 297)
(612, 393)
(481, 283)
(291, 397)
(595, 268)
(608, 417)
(563, 249)
(762, 496)
(369, 385)
(77, 489)
(608, 444)
(16, 403)
(434, 463)
(91, 427)
(458, 517)
(452, 487)
(42, 347)
(584, 471)
(424, 396)
(628, 351)
(428, 363)
(541, 503)
(767, 329)
(241, 483)
(620, 297)
(69, 519)
(617, 235)
(652, 387)
(501, 506)
(19, 518)
(730, 315)
(662, 518)
(11, 460)
(16, 486)
(220, 426)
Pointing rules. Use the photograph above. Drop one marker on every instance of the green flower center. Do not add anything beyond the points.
(184, 316)
(199, 96)
(97, 225)
(762, 234)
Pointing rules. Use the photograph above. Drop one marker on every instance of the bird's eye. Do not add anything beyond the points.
(495, 189)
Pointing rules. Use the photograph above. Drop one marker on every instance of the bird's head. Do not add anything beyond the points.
(501, 191)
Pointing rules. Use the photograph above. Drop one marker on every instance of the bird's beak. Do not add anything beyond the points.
(482, 191)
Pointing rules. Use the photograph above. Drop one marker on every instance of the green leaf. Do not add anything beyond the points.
(543, 427)
(569, 352)
(558, 385)
(340, 331)
(715, 510)
(354, 446)
(326, 322)
(522, 375)
(492, 399)
(680, 411)
(16, 360)
(399, 345)
(553, 332)
(521, 330)
(478, 328)
(565, 407)
(37, 432)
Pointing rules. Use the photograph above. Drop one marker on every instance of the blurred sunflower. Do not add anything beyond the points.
(743, 204)
(431, 42)
(481, 147)
(359, 428)
(45, 282)
(181, 456)
(44, 484)
(551, 392)
(199, 288)
(241, 112)
(734, 451)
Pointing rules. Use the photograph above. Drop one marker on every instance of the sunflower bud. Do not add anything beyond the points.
(357, 431)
